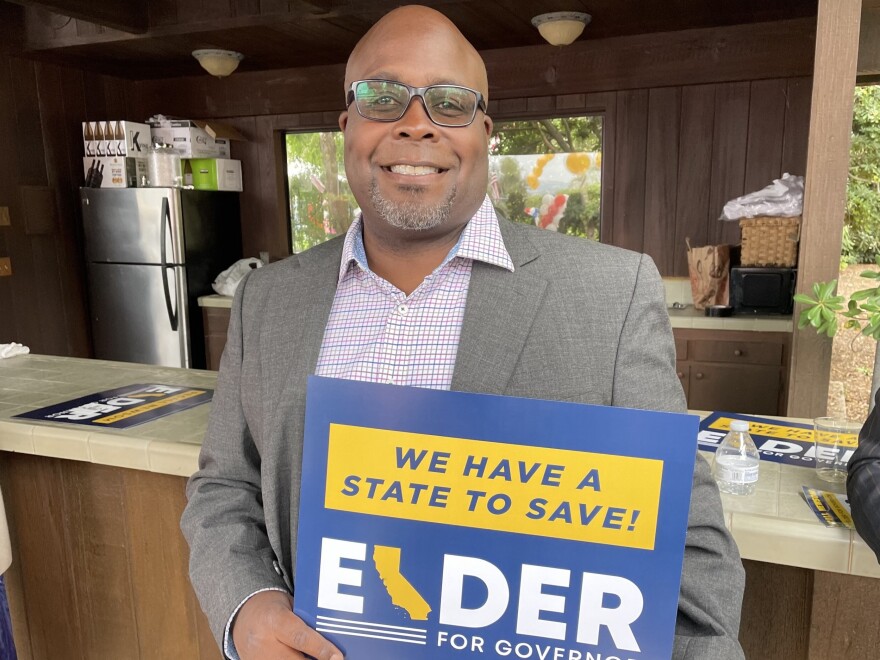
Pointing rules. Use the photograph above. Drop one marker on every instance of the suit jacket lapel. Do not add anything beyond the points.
(297, 315)
(501, 307)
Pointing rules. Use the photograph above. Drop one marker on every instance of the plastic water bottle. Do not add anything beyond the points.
(736, 463)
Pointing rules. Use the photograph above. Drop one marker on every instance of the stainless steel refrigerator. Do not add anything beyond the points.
(150, 253)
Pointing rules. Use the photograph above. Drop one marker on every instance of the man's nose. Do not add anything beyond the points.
(415, 122)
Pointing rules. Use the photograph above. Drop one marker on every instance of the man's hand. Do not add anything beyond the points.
(266, 627)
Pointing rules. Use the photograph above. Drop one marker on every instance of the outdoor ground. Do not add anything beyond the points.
(852, 357)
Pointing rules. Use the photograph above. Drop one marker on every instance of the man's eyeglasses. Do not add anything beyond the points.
(387, 100)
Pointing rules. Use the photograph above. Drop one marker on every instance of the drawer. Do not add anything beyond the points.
(738, 352)
(746, 389)
(681, 349)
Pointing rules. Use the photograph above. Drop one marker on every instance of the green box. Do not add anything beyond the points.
(213, 173)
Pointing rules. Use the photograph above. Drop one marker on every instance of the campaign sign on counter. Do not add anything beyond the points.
(779, 441)
(439, 525)
(123, 407)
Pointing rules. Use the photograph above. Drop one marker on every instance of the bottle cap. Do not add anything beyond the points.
(739, 425)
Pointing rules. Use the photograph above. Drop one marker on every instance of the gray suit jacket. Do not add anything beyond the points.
(577, 321)
(863, 480)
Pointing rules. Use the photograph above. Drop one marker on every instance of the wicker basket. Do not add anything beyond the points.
(770, 241)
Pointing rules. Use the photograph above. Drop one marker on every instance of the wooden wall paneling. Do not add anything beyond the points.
(797, 125)
(606, 103)
(54, 284)
(95, 511)
(273, 221)
(766, 126)
(729, 145)
(694, 172)
(845, 623)
(248, 152)
(661, 171)
(9, 324)
(825, 192)
(36, 498)
(776, 611)
(164, 604)
(31, 163)
(741, 52)
(631, 135)
(28, 167)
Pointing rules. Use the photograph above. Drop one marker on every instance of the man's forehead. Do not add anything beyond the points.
(429, 51)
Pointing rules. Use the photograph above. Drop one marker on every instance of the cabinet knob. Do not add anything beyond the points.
(680, 374)
(737, 352)
(699, 376)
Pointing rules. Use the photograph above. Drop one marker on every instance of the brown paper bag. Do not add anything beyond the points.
(709, 269)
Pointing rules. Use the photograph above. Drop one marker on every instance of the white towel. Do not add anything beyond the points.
(13, 349)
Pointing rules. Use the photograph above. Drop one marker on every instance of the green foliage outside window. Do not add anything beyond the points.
(861, 232)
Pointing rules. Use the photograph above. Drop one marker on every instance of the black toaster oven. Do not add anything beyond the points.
(762, 290)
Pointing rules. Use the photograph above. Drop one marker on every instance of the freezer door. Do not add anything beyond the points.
(132, 225)
(139, 313)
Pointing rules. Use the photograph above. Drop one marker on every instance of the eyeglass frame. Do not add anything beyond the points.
(414, 92)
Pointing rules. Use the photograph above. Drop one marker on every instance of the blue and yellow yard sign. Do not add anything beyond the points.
(123, 407)
(777, 440)
(439, 525)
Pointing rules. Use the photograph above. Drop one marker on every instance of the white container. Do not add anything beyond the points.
(737, 461)
(163, 167)
(189, 140)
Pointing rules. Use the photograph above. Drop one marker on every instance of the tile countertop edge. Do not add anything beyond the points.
(215, 300)
(169, 445)
(678, 318)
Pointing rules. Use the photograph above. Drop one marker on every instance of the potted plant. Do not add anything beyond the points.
(861, 310)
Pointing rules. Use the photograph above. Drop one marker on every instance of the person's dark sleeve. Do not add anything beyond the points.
(863, 480)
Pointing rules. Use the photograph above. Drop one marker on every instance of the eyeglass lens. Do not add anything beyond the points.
(387, 101)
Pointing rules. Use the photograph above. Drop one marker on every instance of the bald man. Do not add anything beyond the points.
(428, 263)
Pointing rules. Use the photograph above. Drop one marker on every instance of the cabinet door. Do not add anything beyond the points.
(741, 388)
(216, 325)
(739, 352)
(683, 370)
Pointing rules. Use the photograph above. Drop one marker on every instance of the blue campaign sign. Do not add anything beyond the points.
(777, 440)
(438, 525)
(123, 407)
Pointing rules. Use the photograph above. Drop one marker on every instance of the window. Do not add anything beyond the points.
(546, 172)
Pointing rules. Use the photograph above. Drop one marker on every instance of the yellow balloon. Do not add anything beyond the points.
(532, 180)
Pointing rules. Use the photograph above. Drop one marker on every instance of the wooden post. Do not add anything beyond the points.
(834, 74)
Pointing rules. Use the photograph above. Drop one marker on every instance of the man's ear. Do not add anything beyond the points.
(343, 120)
(488, 125)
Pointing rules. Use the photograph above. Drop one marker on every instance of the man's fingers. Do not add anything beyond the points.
(298, 635)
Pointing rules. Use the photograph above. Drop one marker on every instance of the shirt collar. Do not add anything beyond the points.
(480, 241)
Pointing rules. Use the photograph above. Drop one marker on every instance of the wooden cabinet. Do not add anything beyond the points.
(733, 371)
(216, 325)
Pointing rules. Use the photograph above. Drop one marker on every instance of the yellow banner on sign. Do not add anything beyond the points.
(783, 432)
(139, 410)
(557, 493)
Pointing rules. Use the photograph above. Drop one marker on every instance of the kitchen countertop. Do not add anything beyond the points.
(774, 525)
(679, 318)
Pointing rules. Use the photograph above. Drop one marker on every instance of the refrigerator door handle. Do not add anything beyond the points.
(166, 222)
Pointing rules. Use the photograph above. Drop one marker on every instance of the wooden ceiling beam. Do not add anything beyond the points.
(124, 15)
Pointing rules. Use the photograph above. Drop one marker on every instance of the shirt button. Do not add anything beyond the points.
(390, 381)
(402, 309)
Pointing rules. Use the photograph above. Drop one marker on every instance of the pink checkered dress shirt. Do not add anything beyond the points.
(377, 333)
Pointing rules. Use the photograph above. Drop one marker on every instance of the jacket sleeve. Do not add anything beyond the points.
(230, 554)
(863, 480)
(713, 578)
